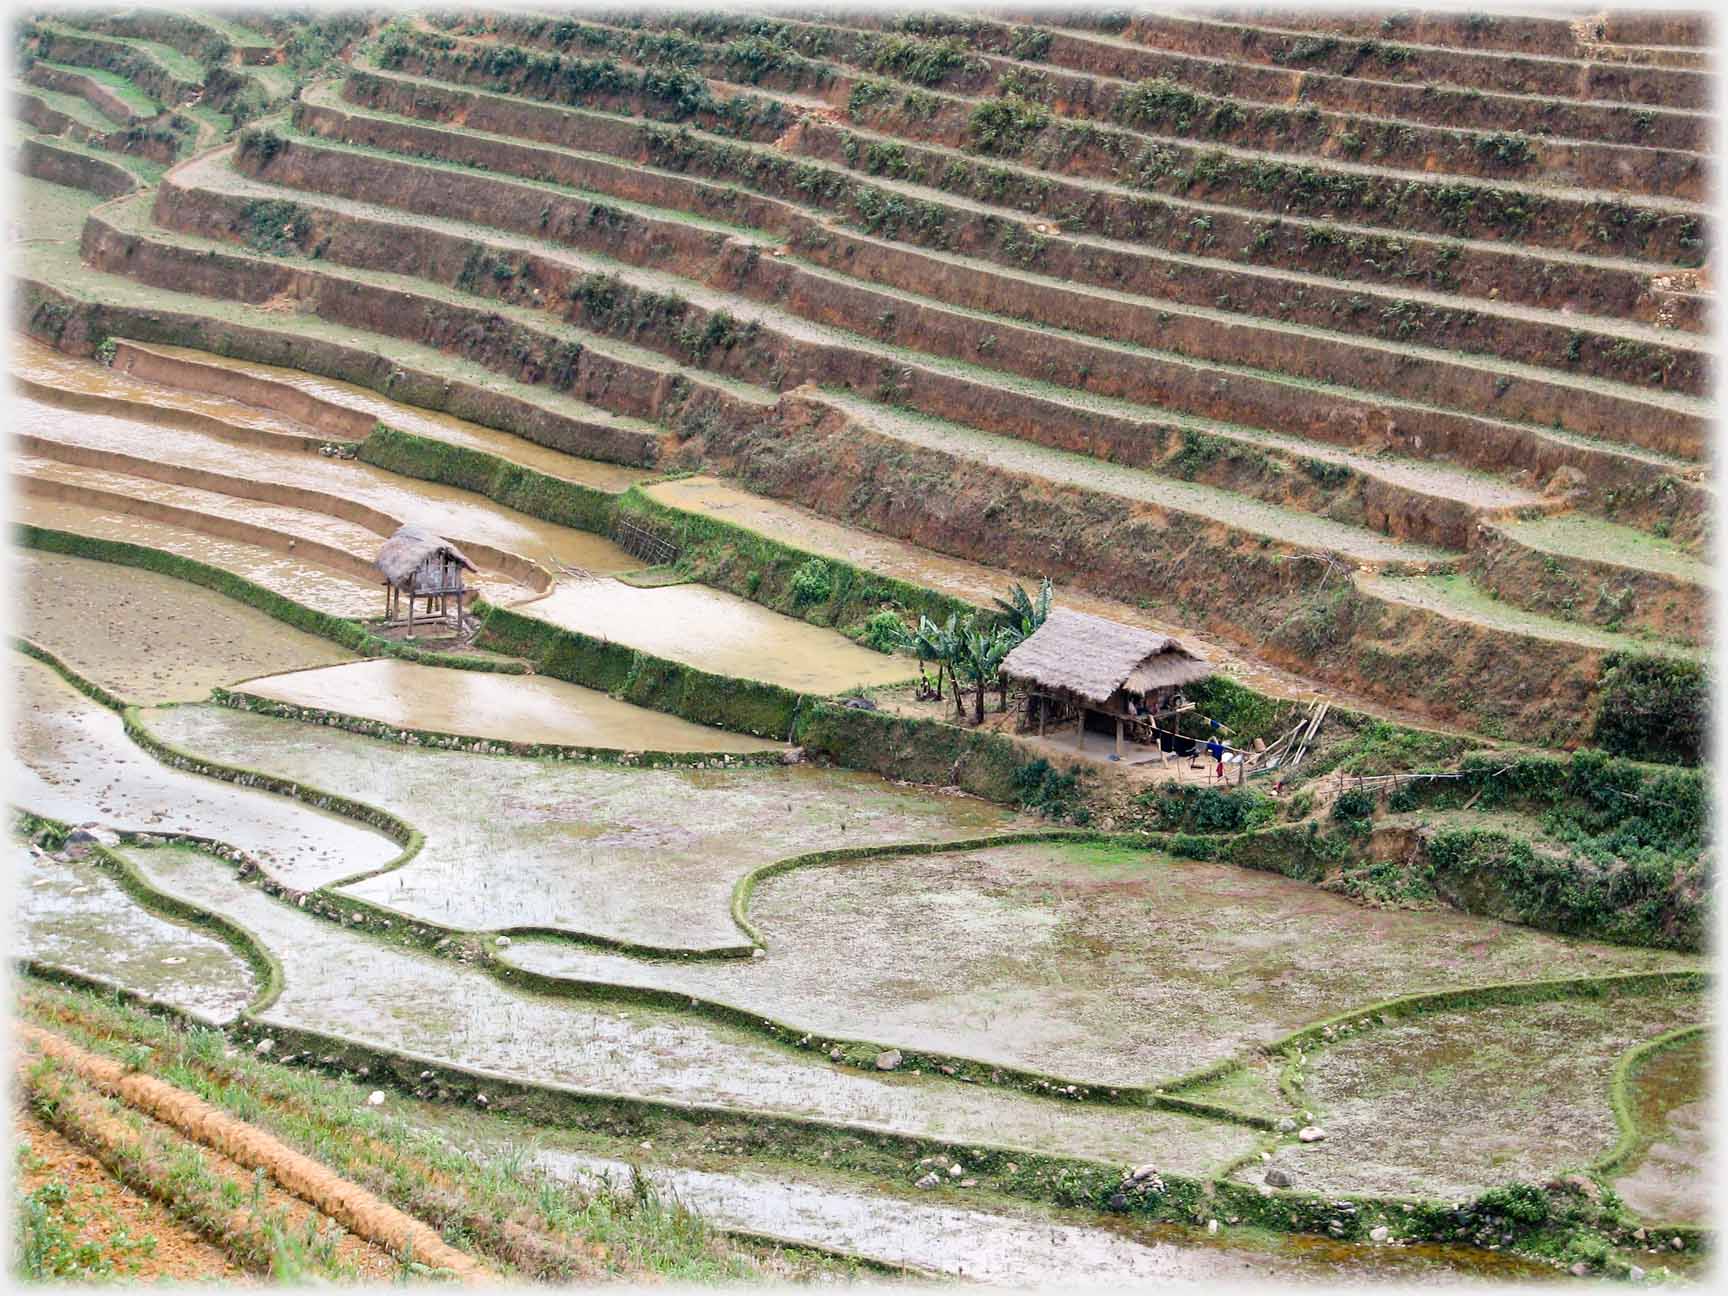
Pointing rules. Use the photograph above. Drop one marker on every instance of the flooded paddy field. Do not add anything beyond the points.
(1670, 1177)
(68, 378)
(72, 761)
(73, 914)
(1096, 963)
(150, 638)
(1446, 1104)
(721, 633)
(394, 414)
(988, 1239)
(638, 855)
(342, 982)
(506, 708)
(292, 477)
(325, 589)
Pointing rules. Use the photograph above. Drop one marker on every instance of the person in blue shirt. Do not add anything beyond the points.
(1215, 749)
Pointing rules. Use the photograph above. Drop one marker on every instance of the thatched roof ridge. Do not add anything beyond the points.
(1091, 657)
(401, 555)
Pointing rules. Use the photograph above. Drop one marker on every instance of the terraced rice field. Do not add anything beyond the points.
(1368, 356)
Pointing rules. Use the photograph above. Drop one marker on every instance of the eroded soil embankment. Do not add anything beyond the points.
(1448, 670)
(327, 417)
(1632, 488)
(77, 170)
(1253, 284)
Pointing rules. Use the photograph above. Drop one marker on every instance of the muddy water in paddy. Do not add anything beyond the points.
(508, 708)
(72, 914)
(1670, 1181)
(38, 363)
(342, 982)
(305, 582)
(1017, 1245)
(1093, 962)
(460, 515)
(721, 633)
(648, 856)
(1448, 1104)
(421, 422)
(151, 638)
(71, 760)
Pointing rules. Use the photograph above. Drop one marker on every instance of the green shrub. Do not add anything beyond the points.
(1356, 804)
(1208, 810)
(812, 583)
(884, 631)
(1040, 786)
(1654, 708)
(1522, 1204)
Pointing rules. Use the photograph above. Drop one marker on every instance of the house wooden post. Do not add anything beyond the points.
(1043, 712)
(410, 614)
(1118, 737)
(1080, 732)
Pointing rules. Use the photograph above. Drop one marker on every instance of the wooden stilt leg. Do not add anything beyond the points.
(1118, 737)
(1080, 732)
(410, 616)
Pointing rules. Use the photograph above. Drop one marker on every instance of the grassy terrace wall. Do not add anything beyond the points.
(526, 490)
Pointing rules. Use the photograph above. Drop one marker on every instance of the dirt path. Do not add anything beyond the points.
(350, 1205)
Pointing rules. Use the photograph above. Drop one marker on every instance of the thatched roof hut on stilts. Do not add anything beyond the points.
(1077, 662)
(424, 566)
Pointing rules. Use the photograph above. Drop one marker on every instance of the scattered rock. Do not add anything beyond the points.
(955, 1170)
(1212, 1226)
(375, 1098)
(1287, 1125)
(1118, 1202)
(792, 756)
(835, 1054)
(1580, 1270)
(1677, 1244)
(1140, 1174)
(930, 1180)
(1279, 1178)
(503, 942)
(1379, 1234)
(1635, 1274)
(1012, 1168)
(968, 1183)
(758, 952)
(888, 1060)
(1311, 1134)
(263, 1047)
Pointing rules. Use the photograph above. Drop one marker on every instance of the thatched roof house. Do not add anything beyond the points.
(1093, 661)
(414, 549)
(426, 567)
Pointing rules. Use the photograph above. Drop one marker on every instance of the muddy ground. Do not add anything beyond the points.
(505, 708)
(346, 983)
(1446, 1104)
(1096, 963)
(647, 856)
(150, 638)
(72, 761)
